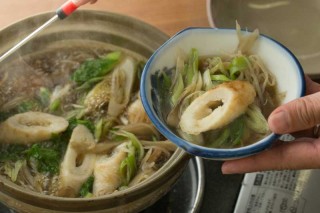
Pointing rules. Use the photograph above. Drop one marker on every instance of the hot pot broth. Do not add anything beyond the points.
(219, 101)
(72, 123)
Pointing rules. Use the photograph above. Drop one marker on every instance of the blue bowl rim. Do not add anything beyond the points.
(201, 151)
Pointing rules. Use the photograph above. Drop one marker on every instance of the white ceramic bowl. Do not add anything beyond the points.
(212, 41)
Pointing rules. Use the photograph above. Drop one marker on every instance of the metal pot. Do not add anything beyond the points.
(104, 28)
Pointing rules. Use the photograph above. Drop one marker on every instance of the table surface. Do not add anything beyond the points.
(167, 15)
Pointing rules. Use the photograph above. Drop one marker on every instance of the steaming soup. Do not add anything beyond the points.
(72, 123)
(219, 101)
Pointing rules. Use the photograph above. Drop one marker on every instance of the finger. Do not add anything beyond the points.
(303, 133)
(311, 86)
(299, 154)
(297, 115)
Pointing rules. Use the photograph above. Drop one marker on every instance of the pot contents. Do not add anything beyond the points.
(72, 123)
(219, 101)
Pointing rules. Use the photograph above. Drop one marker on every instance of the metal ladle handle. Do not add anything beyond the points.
(62, 12)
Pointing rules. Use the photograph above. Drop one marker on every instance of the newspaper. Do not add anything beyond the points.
(280, 192)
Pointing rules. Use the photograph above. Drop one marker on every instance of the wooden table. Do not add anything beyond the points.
(168, 15)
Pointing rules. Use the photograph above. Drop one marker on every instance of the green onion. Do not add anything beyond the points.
(207, 81)
(13, 170)
(128, 166)
(231, 135)
(222, 139)
(135, 142)
(237, 129)
(255, 120)
(44, 96)
(55, 105)
(238, 64)
(177, 90)
(102, 128)
(193, 63)
(220, 77)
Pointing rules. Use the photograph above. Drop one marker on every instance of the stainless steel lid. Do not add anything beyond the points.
(294, 23)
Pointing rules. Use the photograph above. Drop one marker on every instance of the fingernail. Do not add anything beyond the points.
(279, 122)
(227, 168)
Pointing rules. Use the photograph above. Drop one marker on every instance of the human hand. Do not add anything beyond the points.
(297, 117)
(82, 2)
(70, 6)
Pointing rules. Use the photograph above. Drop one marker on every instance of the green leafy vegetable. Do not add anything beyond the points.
(12, 153)
(90, 83)
(86, 188)
(96, 68)
(73, 122)
(48, 160)
(30, 105)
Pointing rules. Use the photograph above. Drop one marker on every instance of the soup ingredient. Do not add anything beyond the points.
(77, 165)
(107, 171)
(13, 170)
(123, 79)
(232, 135)
(197, 105)
(136, 113)
(87, 187)
(217, 107)
(99, 96)
(31, 127)
(95, 68)
(102, 112)
(255, 119)
(46, 159)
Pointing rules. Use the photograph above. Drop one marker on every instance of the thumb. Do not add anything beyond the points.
(297, 115)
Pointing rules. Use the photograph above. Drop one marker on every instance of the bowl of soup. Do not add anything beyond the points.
(210, 91)
(74, 136)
